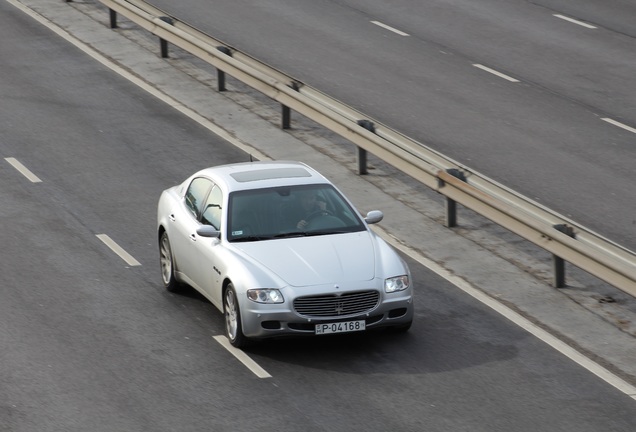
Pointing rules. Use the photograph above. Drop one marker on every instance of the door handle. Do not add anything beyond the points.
(193, 237)
(172, 218)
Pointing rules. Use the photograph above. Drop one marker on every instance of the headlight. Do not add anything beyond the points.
(265, 295)
(398, 283)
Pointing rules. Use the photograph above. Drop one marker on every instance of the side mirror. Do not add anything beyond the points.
(374, 216)
(209, 231)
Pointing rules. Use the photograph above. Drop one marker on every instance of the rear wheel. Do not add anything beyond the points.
(167, 264)
(233, 323)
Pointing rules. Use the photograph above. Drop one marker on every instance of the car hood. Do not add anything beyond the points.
(316, 260)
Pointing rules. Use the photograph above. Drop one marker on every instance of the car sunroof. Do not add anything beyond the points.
(270, 173)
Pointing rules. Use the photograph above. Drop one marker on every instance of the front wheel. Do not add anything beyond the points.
(233, 324)
(167, 264)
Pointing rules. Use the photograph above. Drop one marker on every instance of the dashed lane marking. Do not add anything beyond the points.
(389, 28)
(242, 357)
(619, 124)
(572, 20)
(130, 260)
(497, 73)
(23, 170)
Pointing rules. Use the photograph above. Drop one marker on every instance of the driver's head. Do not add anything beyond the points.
(308, 200)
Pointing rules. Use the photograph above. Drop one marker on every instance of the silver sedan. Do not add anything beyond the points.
(280, 251)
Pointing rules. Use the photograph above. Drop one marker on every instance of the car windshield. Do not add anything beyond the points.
(291, 211)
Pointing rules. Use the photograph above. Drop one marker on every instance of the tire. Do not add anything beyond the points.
(167, 264)
(233, 323)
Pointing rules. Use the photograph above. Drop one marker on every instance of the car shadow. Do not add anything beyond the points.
(191, 293)
(434, 344)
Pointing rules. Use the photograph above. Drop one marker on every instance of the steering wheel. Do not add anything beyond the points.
(317, 213)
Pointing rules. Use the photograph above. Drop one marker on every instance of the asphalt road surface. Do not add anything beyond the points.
(90, 342)
(543, 134)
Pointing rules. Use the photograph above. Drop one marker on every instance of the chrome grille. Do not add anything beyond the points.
(337, 305)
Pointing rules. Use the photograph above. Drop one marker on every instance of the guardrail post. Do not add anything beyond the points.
(162, 42)
(558, 262)
(362, 161)
(451, 213)
(362, 153)
(220, 75)
(451, 204)
(286, 111)
(113, 18)
(285, 122)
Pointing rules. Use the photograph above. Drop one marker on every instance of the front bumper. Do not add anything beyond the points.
(263, 321)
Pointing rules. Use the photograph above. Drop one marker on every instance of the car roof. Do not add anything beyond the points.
(262, 174)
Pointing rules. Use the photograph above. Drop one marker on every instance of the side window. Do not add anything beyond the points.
(213, 208)
(196, 194)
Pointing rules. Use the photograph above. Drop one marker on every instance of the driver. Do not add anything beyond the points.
(310, 204)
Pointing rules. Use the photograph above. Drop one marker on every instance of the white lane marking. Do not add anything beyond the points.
(572, 20)
(118, 250)
(619, 124)
(494, 72)
(23, 170)
(242, 357)
(394, 30)
(212, 127)
(515, 317)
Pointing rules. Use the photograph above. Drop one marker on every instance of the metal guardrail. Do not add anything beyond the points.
(566, 240)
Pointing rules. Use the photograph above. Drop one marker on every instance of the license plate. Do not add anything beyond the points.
(340, 327)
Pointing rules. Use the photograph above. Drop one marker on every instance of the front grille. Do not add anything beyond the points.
(337, 305)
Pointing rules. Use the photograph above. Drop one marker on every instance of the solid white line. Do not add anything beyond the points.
(23, 170)
(494, 72)
(118, 250)
(394, 30)
(515, 317)
(242, 357)
(619, 124)
(572, 20)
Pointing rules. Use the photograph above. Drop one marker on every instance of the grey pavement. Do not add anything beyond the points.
(591, 316)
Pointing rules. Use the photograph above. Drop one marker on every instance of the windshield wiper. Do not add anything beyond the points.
(251, 238)
(309, 233)
(292, 234)
(327, 232)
